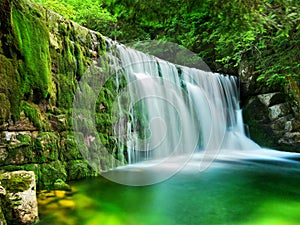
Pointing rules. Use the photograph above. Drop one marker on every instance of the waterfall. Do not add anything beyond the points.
(157, 115)
(174, 110)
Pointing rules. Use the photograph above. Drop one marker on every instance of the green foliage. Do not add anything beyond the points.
(223, 33)
(89, 13)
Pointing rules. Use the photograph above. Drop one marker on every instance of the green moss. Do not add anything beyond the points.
(21, 152)
(61, 122)
(2, 217)
(16, 182)
(32, 112)
(70, 147)
(5, 108)
(102, 46)
(50, 172)
(66, 60)
(32, 42)
(79, 169)
(26, 167)
(46, 145)
(24, 139)
(9, 85)
(59, 184)
(65, 91)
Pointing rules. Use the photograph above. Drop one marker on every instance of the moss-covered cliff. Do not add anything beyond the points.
(42, 58)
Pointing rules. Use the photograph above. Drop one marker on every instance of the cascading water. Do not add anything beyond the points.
(175, 110)
(163, 114)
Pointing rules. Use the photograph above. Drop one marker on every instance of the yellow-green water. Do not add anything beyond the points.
(237, 192)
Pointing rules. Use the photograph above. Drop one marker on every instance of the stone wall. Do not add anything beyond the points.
(272, 113)
(42, 58)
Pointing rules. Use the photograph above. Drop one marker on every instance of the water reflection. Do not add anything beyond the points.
(240, 190)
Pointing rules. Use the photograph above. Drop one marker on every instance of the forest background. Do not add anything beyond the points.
(263, 33)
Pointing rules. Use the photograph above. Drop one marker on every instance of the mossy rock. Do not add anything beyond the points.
(59, 184)
(65, 91)
(71, 146)
(45, 174)
(15, 181)
(46, 146)
(33, 113)
(79, 169)
(67, 59)
(61, 122)
(2, 217)
(26, 167)
(5, 108)
(9, 88)
(50, 172)
(20, 151)
(81, 64)
(32, 42)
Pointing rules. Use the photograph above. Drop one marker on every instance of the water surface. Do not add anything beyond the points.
(261, 188)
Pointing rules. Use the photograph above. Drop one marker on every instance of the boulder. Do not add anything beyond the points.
(19, 190)
(271, 99)
(279, 110)
(272, 121)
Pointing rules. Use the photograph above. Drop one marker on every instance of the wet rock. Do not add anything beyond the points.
(279, 110)
(256, 110)
(290, 138)
(271, 99)
(272, 122)
(281, 123)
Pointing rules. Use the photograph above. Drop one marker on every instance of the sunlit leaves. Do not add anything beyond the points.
(266, 33)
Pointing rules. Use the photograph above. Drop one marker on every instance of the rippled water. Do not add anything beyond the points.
(257, 188)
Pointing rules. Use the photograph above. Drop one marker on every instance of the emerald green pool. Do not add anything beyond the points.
(233, 191)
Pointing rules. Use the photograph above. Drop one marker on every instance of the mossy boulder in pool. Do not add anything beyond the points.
(20, 203)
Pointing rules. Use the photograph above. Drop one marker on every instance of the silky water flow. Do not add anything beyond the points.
(175, 110)
(181, 132)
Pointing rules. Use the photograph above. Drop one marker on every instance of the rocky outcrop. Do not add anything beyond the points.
(272, 114)
(42, 58)
(18, 198)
